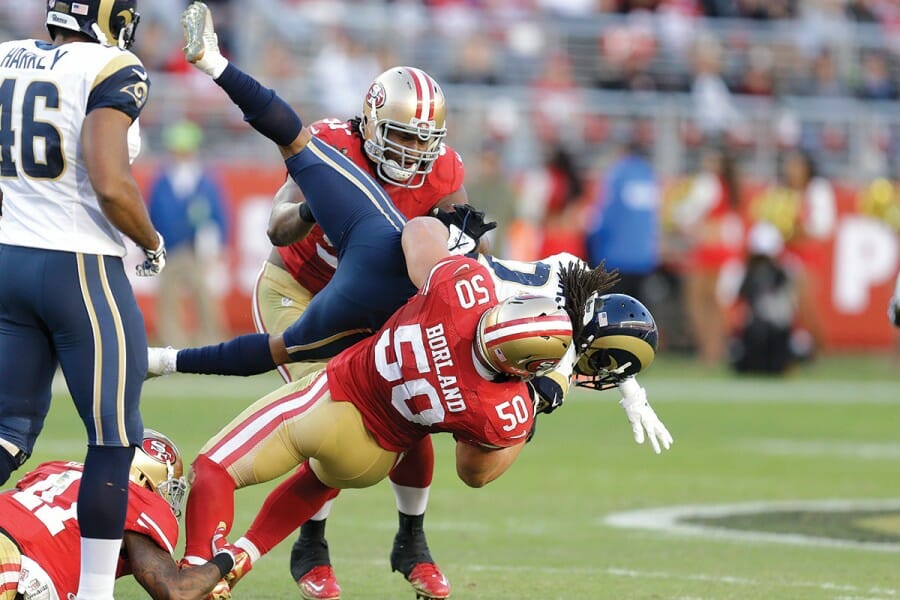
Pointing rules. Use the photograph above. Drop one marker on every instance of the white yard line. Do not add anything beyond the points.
(668, 519)
(835, 448)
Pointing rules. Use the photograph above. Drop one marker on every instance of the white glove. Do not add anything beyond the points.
(155, 261)
(201, 44)
(641, 415)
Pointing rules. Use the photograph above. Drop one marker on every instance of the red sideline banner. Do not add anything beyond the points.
(857, 280)
(854, 283)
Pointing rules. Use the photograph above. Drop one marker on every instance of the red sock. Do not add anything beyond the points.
(211, 500)
(417, 467)
(288, 506)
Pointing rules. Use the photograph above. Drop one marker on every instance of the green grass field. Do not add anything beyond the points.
(828, 432)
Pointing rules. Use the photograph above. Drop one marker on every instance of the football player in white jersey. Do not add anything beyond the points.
(621, 341)
(68, 131)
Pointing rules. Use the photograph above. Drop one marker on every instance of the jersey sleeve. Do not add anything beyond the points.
(450, 268)
(122, 84)
(334, 132)
(149, 514)
(507, 419)
(447, 173)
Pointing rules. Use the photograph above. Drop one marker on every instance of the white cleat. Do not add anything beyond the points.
(201, 44)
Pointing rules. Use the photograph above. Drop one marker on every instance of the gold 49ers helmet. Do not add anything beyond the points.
(403, 122)
(114, 20)
(523, 335)
(157, 466)
(619, 339)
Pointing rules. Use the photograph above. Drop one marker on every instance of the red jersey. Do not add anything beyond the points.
(312, 260)
(40, 514)
(417, 374)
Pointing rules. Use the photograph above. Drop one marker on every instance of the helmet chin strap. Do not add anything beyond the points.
(101, 37)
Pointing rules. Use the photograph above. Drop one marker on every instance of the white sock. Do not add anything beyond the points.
(323, 512)
(411, 500)
(98, 569)
(248, 547)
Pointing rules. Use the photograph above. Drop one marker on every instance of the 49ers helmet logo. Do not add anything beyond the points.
(376, 95)
(159, 450)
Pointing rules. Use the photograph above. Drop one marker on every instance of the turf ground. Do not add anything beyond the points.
(828, 432)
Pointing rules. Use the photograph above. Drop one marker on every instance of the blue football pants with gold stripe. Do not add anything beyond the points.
(77, 311)
(362, 223)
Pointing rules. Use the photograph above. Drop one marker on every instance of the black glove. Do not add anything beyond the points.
(466, 225)
(546, 394)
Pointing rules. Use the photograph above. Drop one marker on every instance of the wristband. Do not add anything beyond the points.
(305, 213)
(224, 562)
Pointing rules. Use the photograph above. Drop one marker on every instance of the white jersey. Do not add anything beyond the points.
(45, 93)
(540, 277)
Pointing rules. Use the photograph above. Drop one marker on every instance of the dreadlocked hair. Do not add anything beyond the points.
(579, 282)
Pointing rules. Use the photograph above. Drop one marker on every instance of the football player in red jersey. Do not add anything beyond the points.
(39, 534)
(357, 217)
(419, 173)
(453, 359)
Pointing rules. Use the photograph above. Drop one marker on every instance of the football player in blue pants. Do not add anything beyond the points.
(353, 210)
(68, 110)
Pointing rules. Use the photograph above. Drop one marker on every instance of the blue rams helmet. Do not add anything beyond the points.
(619, 339)
(110, 22)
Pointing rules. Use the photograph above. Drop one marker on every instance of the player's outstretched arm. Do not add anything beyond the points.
(157, 573)
(262, 107)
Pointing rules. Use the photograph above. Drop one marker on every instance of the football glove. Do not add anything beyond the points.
(201, 44)
(546, 394)
(240, 560)
(642, 417)
(466, 225)
(155, 260)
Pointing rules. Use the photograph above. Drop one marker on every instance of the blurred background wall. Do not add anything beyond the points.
(529, 80)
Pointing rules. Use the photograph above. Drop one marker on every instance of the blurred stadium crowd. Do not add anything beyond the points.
(745, 110)
(762, 74)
